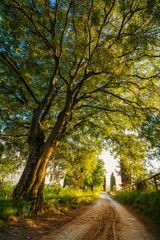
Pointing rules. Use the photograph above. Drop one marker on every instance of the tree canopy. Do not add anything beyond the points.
(103, 55)
(132, 153)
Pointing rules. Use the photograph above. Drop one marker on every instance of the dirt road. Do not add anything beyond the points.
(104, 220)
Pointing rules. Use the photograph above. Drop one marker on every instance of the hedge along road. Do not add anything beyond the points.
(104, 220)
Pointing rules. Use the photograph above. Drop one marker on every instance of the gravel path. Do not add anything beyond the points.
(104, 220)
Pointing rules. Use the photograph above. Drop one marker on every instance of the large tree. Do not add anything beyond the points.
(66, 64)
(80, 167)
(98, 177)
(132, 153)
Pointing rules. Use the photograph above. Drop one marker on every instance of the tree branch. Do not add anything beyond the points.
(12, 65)
(65, 26)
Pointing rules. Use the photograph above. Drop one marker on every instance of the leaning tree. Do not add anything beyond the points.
(68, 64)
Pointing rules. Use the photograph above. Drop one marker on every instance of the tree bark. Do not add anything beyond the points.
(31, 184)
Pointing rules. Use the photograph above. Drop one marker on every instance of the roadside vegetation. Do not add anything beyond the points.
(7, 207)
(68, 198)
(146, 203)
(57, 199)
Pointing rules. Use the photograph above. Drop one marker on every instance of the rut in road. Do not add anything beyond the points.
(104, 220)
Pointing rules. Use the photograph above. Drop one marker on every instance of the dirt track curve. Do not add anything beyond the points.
(104, 220)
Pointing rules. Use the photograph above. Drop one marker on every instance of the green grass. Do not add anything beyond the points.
(146, 203)
(61, 198)
(69, 197)
(8, 208)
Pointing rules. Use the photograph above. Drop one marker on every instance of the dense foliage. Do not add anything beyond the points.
(151, 132)
(132, 152)
(76, 160)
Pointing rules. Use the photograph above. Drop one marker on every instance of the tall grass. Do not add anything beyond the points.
(64, 198)
(9, 208)
(69, 197)
(146, 203)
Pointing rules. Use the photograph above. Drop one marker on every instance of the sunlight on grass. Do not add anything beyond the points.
(61, 199)
(70, 197)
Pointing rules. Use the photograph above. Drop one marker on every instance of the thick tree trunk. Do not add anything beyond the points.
(31, 184)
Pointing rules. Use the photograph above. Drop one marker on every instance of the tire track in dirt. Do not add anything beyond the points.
(105, 228)
(114, 224)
